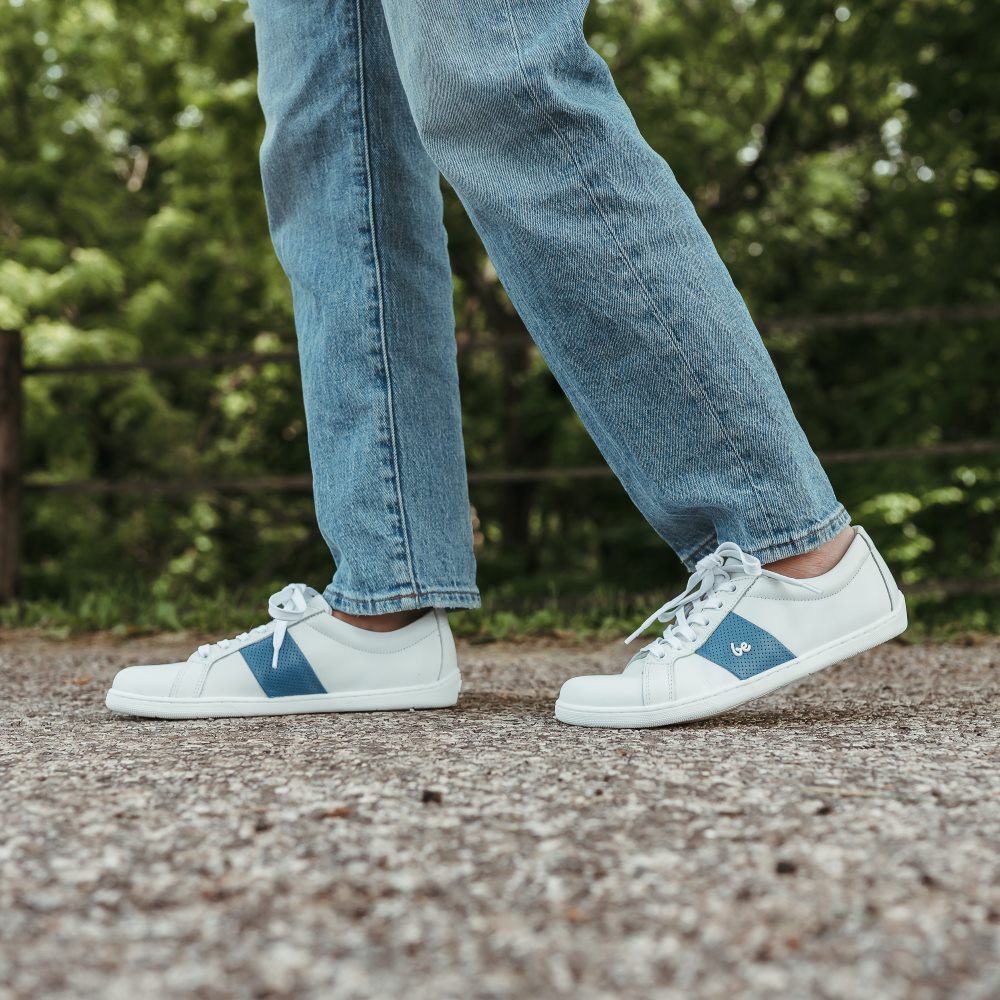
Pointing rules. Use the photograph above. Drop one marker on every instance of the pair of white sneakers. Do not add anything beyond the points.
(736, 633)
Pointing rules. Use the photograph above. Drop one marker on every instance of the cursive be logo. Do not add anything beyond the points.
(743, 647)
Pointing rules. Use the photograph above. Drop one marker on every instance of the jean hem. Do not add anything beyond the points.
(771, 550)
(691, 556)
(805, 541)
(411, 600)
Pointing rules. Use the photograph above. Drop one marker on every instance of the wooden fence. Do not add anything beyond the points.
(12, 372)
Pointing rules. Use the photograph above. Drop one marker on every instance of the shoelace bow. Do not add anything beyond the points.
(285, 607)
(712, 575)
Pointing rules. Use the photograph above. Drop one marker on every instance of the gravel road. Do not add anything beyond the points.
(839, 840)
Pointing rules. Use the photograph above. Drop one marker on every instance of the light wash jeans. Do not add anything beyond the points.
(600, 251)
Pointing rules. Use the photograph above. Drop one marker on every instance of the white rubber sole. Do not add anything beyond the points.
(441, 694)
(705, 706)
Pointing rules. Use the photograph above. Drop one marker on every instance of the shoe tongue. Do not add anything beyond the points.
(635, 664)
(690, 606)
(741, 569)
(318, 603)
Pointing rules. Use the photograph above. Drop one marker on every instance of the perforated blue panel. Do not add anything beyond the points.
(293, 674)
(743, 648)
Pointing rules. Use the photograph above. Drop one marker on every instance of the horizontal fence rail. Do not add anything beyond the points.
(863, 319)
(294, 484)
(166, 364)
(970, 312)
(12, 373)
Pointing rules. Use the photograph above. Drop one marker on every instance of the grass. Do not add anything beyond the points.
(130, 610)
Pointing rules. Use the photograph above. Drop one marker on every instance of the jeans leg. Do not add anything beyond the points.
(613, 273)
(354, 206)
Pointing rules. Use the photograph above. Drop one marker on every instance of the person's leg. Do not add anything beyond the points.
(617, 280)
(355, 211)
(354, 206)
(615, 276)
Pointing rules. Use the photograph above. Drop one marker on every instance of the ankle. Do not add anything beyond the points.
(817, 561)
(388, 622)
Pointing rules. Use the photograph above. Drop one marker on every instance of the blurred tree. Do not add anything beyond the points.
(843, 158)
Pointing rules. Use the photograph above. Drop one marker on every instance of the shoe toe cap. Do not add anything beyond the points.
(603, 691)
(154, 681)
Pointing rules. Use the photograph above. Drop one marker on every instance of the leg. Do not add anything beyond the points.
(355, 211)
(354, 206)
(633, 309)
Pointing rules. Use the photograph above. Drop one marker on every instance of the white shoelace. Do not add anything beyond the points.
(712, 575)
(285, 607)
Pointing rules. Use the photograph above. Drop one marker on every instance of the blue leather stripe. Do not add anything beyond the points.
(743, 648)
(293, 675)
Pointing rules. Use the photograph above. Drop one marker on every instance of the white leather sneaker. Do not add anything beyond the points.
(304, 660)
(739, 632)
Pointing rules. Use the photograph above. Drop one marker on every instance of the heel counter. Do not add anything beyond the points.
(888, 580)
(449, 654)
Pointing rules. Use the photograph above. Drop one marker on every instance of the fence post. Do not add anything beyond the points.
(10, 460)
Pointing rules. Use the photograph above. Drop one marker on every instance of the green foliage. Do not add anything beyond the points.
(844, 158)
(124, 610)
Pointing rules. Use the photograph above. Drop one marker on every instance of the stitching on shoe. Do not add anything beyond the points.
(206, 669)
(818, 597)
(373, 652)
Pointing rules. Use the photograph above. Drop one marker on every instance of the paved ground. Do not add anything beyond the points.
(840, 840)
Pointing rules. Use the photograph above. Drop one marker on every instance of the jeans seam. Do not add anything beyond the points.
(515, 38)
(383, 344)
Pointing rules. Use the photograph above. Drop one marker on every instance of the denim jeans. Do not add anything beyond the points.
(601, 253)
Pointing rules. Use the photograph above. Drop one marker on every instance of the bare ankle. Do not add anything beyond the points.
(388, 622)
(817, 561)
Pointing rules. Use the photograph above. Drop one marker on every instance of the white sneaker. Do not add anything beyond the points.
(304, 660)
(739, 632)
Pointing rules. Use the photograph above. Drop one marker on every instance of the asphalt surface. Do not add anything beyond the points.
(837, 840)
